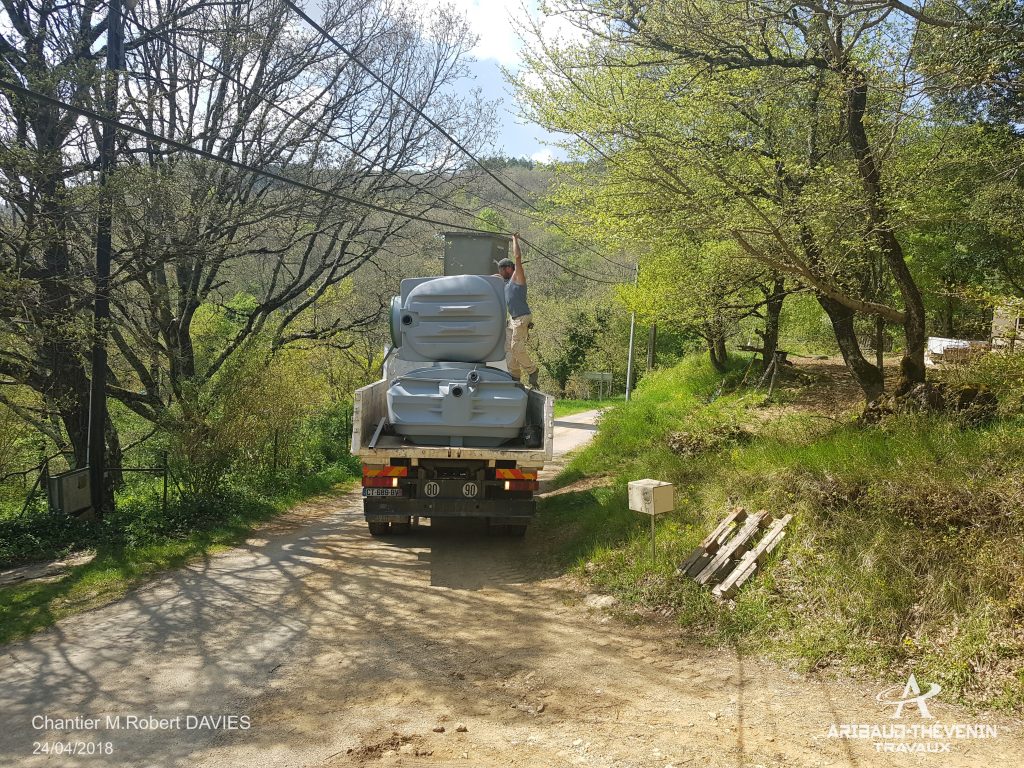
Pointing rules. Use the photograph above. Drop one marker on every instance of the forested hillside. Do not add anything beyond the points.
(269, 192)
(798, 180)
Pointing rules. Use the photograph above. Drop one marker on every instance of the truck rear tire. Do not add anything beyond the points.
(377, 528)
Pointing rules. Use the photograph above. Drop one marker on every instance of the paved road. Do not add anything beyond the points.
(316, 645)
(573, 431)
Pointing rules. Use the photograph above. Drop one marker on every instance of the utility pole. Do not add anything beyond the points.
(632, 332)
(101, 306)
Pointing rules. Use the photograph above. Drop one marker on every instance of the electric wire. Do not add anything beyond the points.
(440, 129)
(251, 92)
(143, 133)
(602, 278)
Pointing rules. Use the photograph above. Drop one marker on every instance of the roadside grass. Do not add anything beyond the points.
(906, 551)
(569, 407)
(128, 555)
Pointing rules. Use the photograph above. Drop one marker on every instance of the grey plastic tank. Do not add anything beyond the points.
(460, 318)
(457, 405)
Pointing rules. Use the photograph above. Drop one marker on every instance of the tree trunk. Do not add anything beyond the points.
(718, 354)
(67, 382)
(867, 376)
(880, 344)
(772, 313)
(912, 369)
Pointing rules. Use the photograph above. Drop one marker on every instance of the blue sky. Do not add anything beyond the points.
(516, 137)
(494, 23)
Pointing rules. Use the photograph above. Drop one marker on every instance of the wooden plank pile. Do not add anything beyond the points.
(731, 553)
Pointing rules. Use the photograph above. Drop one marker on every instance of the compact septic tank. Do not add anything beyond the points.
(456, 323)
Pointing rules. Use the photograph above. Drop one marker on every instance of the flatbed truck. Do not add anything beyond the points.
(403, 481)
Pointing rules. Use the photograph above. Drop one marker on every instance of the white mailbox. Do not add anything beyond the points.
(652, 497)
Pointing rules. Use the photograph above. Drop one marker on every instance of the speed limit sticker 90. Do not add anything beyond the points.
(470, 490)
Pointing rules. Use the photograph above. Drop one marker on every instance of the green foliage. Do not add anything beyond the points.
(492, 220)
(243, 417)
(905, 548)
(569, 407)
(1001, 373)
(804, 326)
(574, 344)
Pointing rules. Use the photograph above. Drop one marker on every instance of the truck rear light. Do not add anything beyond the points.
(385, 471)
(521, 485)
(380, 482)
(514, 474)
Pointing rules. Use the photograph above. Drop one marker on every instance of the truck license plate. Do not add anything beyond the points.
(382, 491)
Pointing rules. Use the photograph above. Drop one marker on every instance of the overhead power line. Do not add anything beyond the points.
(324, 133)
(436, 126)
(142, 132)
(155, 33)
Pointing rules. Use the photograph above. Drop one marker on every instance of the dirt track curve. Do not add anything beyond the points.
(344, 650)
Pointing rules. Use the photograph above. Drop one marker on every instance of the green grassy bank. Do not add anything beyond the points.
(906, 551)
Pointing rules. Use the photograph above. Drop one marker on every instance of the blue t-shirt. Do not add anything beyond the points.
(515, 298)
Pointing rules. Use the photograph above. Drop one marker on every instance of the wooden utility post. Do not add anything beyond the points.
(632, 331)
(97, 442)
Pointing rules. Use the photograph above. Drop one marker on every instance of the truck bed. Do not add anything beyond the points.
(370, 406)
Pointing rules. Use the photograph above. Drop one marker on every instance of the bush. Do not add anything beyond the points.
(1002, 373)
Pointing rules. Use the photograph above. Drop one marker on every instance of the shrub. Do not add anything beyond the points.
(1000, 372)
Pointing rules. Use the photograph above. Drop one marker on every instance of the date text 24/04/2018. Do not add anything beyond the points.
(72, 747)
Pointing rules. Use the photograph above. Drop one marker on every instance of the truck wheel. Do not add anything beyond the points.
(378, 529)
(401, 529)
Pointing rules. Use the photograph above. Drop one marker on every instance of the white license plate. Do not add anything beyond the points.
(382, 491)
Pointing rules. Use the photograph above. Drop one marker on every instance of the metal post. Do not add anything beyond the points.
(101, 307)
(629, 361)
(632, 331)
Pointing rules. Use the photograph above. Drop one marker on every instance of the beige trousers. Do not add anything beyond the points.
(517, 356)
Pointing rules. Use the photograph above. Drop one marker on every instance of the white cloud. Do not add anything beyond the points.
(496, 24)
(544, 157)
(490, 21)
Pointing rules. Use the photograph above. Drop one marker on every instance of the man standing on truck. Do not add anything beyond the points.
(519, 318)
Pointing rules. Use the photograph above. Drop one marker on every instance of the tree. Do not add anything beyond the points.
(778, 126)
(701, 289)
(52, 50)
(241, 82)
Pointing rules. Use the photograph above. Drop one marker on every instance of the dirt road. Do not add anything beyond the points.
(324, 647)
